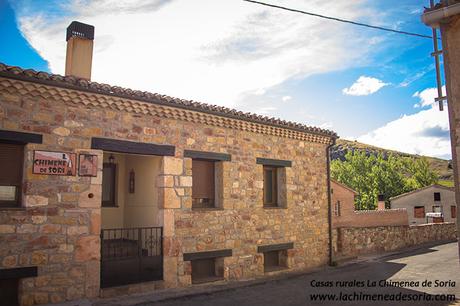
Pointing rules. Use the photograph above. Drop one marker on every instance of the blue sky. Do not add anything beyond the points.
(364, 84)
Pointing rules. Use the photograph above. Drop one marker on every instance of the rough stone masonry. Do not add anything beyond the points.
(57, 227)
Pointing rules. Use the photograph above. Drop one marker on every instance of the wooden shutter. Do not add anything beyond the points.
(11, 161)
(270, 186)
(203, 186)
(453, 211)
(419, 212)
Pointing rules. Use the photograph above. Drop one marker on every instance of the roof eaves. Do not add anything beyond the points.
(71, 82)
(421, 189)
(345, 186)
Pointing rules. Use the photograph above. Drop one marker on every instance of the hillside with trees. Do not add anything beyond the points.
(372, 171)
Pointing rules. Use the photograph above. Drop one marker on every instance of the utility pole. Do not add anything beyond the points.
(445, 16)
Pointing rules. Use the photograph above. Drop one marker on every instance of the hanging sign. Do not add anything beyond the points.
(54, 163)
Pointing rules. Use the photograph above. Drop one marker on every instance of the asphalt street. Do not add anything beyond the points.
(419, 276)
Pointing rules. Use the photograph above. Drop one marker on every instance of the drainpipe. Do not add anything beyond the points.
(329, 200)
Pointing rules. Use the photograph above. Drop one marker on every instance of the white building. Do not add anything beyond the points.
(420, 202)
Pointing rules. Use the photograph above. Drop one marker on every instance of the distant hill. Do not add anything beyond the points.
(440, 166)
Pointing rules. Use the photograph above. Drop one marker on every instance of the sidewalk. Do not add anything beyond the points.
(369, 266)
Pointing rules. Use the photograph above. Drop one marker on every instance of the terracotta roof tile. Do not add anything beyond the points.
(85, 85)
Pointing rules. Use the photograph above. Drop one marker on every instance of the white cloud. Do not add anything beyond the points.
(415, 76)
(326, 125)
(266, 110)
(286, 98)
(364, 86)
(424, 133)
(260, 92)
(427, 97)
(211, 51)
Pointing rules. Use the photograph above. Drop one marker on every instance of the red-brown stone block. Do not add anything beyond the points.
(87, 248)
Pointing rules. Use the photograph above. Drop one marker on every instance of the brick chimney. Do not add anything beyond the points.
(79, 55)
(381, 202)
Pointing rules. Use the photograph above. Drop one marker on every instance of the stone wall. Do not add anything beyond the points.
(450, 30)
(365, 240)
(57, 229)
(372, 218)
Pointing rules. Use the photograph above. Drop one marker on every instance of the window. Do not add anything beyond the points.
(270, 186)
(109, 172)
(203, 186)
(275, 255)
(274, 182)
(207, 266)
(337, 211)
(419, 212)
(9, 291)
(436, 208)
(275, 260)
(11, 159)
(453, 211)
(207, 270)
(437, 196)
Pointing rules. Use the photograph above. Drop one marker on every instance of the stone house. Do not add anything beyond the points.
(344, 213)
(105, 187)
(431, 199)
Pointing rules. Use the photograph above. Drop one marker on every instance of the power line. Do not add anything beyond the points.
(340, 20)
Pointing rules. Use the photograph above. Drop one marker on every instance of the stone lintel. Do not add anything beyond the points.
(275, 247)
(273, 162)
(207, 155)
(207, 254)
(18, 272)
(123, 146)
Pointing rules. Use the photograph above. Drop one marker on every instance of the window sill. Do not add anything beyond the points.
(275, 207)
(274, 269)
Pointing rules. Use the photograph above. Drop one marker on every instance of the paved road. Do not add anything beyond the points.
(435, 264)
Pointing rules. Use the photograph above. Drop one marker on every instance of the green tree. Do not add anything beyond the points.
(371, 175)
(420, 173)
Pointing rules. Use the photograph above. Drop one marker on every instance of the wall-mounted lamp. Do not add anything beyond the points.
(111, 159)
(131, 181)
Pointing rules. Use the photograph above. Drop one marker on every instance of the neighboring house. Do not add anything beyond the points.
(103, 186)
(345, 215)
(434, 198)
(343, 203)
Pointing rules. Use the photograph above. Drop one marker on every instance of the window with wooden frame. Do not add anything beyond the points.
(337, 209)
(275, 256)
(270, 186)
(274, 177)
(207, 270)
(453, 211)
(12, 160)
(275, 260)
(437, 208)
(203, 186)
(419, 212)
(109, 187)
